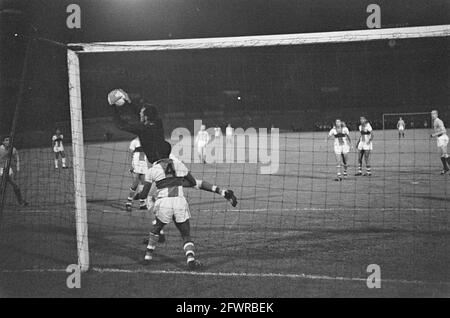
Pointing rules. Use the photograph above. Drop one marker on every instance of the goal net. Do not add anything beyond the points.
(281, 94)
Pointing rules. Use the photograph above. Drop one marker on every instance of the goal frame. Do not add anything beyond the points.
(73, 64)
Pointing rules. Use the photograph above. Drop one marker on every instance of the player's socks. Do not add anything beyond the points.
(359, 173)
(447, 158)
(129, 203)
(444, 164)
(64, 163)
(368, 171)
(152, 240)
(142, 205)
(56, 163)
(190, 256)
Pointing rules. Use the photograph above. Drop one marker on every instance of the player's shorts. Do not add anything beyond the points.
(365, 146)
(58, 149)
(172, 208)
(341, 149)
(442, 141)
(401, 128)
(140, 166)
(10, 171)
(201, 146)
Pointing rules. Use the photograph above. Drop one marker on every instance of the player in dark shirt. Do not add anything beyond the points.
(143, 121)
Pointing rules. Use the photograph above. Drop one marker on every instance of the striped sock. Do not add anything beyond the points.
(189, 250)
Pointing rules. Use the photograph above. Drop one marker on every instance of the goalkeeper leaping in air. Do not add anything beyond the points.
(143, 121)
(170, 175)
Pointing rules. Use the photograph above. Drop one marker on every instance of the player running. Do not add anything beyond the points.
(139, 167)
(342, 145)
(364, 146)
(401, 128)
(14, 168)
(58, 149)
(202, 140)
(442, 140)
(169, 176)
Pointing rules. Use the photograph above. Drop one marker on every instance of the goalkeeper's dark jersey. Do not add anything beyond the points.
(151, 134)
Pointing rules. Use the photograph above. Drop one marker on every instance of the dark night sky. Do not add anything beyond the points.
(108, 20)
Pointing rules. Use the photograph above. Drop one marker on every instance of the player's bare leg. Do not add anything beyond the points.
(367, 161)
(16, 190)
(153, 240)
(360, 159)
(445, 159)
(56, 160)
(132, 193)
(188, 245)
(63, 159)
(344, 161)
(338, 167)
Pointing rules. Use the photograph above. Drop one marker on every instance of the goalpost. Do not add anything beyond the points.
(77, 49)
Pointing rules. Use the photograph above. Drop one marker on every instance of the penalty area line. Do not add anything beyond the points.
(227, 274)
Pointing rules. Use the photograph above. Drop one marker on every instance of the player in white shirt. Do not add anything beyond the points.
(170, 176)
(342, 145)
(58, 149)
(5, 147)
(440, 133)
(229, 134)
(217, 132)
(139, 167)
(202, 140)
(364, 146)
(401, 128)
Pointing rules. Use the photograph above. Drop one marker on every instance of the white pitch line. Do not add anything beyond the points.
(229, 274)
(324, 209)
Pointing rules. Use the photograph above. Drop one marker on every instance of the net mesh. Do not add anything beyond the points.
(296, 220)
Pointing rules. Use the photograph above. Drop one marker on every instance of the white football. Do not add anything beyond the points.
(117, 97)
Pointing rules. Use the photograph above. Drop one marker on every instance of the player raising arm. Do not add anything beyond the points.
(170, 176)
(342, 146)
(440, 133)
(14, 168)
(142, 121)
(58, 149)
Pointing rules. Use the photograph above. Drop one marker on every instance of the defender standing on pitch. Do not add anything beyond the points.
(364, 146)
(341, 147)
(4, 153)
(202, 141)
(441, 139)
(401, 128)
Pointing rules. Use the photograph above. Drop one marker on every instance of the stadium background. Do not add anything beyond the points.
(341, 82)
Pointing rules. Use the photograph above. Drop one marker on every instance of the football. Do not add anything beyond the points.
(118, 97)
